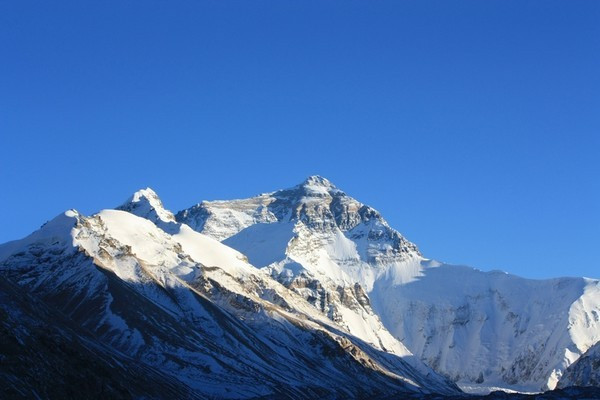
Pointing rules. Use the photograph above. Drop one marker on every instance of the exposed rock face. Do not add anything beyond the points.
(315, 204)
(585, 371)
(479, 329)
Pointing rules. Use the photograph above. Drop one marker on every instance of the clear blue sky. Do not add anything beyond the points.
(473, 126)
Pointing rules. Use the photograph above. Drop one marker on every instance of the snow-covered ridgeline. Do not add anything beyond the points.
(244, 298)
(480, 329)
(186, 304)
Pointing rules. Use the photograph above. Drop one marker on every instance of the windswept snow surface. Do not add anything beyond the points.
(481, 329)
(54, 232)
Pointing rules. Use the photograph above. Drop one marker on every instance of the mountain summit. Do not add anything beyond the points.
(317, 180)
(146, 204)
(315, 206)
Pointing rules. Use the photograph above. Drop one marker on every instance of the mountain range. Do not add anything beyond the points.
(300, 293)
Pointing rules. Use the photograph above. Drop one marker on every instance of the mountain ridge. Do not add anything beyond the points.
(324, 238)
(179, 301)
(306, 262)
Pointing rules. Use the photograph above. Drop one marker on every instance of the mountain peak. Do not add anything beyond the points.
(57, 230)
(317, 180)
(146, 203)
(144, 193)
(59, 226)
(313, 187)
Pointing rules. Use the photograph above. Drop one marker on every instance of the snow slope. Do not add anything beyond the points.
(358, 317)
(185, 304)
(492, 329)
(479, 329)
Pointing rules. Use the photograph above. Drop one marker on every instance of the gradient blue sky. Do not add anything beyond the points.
(473, 126)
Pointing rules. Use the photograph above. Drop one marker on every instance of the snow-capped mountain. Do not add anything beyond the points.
(480, 329)
(183, 303)
(300, 293)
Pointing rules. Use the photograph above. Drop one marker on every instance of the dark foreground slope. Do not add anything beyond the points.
(43, 355)
(569, 393)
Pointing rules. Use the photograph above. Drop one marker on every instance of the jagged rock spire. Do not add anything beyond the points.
(146, 203)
